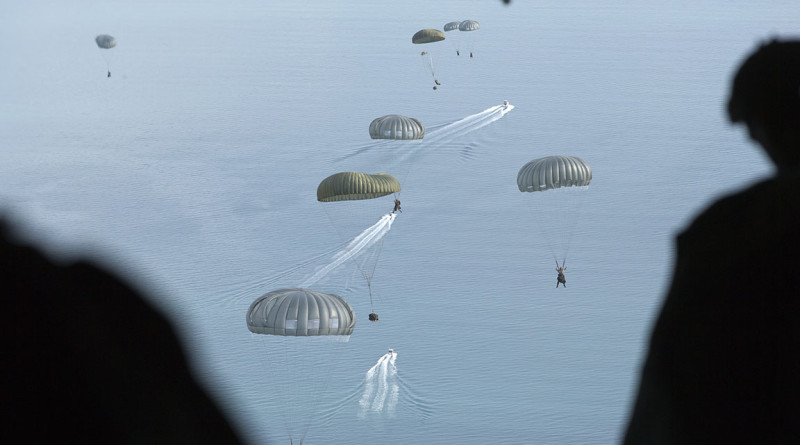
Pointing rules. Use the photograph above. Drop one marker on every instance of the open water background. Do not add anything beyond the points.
(193, 170)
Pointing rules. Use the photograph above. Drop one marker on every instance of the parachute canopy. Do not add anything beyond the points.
(300, 312)
(105, 41)
(451, 26)
(427, 36)
(553, 172)
(468, 25)
(394, 126)
(347, 186)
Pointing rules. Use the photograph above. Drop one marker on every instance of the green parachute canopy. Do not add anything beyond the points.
(451, 26)
(394, 126)
(553, 172)
(469, 25)
(300, 313)
(427, 36)
(347, 186)
(105, 41)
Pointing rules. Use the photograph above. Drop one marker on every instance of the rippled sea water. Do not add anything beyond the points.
(193, 170)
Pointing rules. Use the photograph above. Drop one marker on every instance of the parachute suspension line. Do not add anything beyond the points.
(581, 195)
(405, 164)
(284, 413)
(369, 287)
(427, 63)
(363, 258)
(368, 274)
(308, 421)
(330, 223)
(321, 386)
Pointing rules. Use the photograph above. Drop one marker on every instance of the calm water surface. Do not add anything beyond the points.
(193, 169)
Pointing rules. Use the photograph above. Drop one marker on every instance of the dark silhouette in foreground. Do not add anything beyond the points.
(88, 360)
(723, 364)
(397, 206)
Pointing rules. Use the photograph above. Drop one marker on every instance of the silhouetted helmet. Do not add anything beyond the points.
(767, 85)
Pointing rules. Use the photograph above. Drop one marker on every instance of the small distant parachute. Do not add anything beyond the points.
(427, 36)
(469, 25)
(105, 41)
(451, 26)
(556, 186)
(394, 126)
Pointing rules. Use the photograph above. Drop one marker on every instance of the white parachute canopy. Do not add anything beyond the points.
(469, 25)
(553, 172)
(449, 27)
(554, 188)
(299, 334)
(105, 41)
(468, 34)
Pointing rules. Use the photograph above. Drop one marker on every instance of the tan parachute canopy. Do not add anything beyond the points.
(349, 186)
(553, 172)
(427, 36)
(395, 126)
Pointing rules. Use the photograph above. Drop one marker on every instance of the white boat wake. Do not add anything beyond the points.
(436, 137)
(439, 138)
(468, 124)
(381, 394)
(381, 387)
(358, 245)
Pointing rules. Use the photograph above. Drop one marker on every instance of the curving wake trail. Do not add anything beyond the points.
(358, 245)
(468, 124)
(438, 138)
(438, 135)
